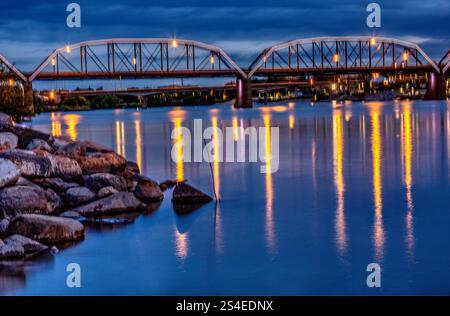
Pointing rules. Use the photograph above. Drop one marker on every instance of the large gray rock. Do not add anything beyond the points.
(106, 191)
(9, 174)
(147, 190)
(5, 119)
(100, 180)
(39, 144)
(25, 134)
(61, 166)
(98, 162)
(8, 141)
(47, 229)
(4, 223)
(78, 195)
(185, 193)
(30, 246)
(28, 163)
(120, 202)
(11, 251)
(26, 199)
(56, 184)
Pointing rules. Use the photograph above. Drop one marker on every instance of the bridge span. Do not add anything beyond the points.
(170, 57)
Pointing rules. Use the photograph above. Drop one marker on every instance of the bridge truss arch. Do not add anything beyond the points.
(137, 57)
(445, 62)
(8, 69)
(341, 54)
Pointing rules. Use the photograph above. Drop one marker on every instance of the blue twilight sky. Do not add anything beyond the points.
(31, 29)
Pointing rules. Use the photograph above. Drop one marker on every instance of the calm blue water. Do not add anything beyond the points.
(357, 183)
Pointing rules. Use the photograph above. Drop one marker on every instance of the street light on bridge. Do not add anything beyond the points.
(68, 49)
(336, 58)
(373, 41)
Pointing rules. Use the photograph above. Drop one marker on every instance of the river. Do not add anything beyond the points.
(357, 183)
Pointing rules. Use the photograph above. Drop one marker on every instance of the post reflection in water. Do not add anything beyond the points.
(270, 229)
(56, 125)
(72, 121)
(120, 138)
(216, 158)
(178, 143)
(378, 230)
(407, 150)
(181, 243)
(338, 149)
(137, 124)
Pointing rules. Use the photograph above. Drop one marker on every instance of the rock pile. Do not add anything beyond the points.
(44, 179)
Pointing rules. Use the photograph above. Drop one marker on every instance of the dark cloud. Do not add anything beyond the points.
(30, 30)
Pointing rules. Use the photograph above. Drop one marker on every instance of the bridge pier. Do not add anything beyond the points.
(435, 87)
(28, 98)
(243, 93)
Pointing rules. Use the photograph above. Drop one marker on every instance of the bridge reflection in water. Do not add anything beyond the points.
(356, 146)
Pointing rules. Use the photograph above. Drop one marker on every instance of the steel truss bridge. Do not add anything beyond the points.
(167, 57)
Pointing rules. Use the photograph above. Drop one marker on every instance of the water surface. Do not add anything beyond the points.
(357, 183)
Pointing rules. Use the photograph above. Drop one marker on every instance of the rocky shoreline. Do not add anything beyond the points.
(50, 187)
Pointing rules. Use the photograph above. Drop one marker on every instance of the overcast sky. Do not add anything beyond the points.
(31, 29)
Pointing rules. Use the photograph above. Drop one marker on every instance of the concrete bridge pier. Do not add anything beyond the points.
(28, 98)
(435, 87)
(243, 93)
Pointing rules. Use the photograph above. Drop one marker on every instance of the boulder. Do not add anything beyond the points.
(26, 199)
(59, 142)
(78, 195)
(101, 163)
(8, 141)
(120, 202)
(97, 181)
(185, 193)
(147, 190)
(61, 166)
(6, 119)
(11, 251)
(47, 229)
(73, 215)
(168, 184)
(25, 182)
(56, 184)
(106, 191)
(25, 134)
(30, 246)
(4, 223)
(28, 163)
(9, 174)
(39, 144)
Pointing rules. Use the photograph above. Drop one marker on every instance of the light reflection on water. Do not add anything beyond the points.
(357, 183)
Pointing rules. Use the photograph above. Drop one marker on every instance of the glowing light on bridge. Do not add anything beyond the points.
(134, 61)
(212, 59)
(336, 58)
(405, 56)
(68, 49)
(174, 43)
(373, 41)
(53, 62)
(11, 82)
